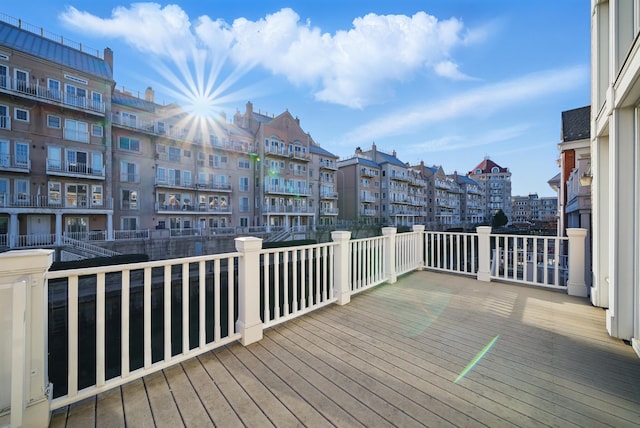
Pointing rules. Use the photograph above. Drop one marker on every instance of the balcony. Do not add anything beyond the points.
(284, 190)
(54, 201)
(276, 151)
(25, 89)
(328, 195)
(286, 209)
(368, 172)
(329, 165)
(187, 208)
(368, 212)
(427, 348)
(11, 163)
(329, 211)
(75, 169)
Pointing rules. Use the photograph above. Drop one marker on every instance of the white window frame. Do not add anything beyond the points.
(97, 130)
(54, 193)
(18, 110)
(51, 117)
(73, 133)
(18, 162)
(16, 71)
(130, 140)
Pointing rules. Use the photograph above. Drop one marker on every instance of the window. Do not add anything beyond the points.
(21, 114)
(97, 130)
(54, 89)
(22, 79)
(76, 131)
(96, 195)
(161, 175)
(96, 100)
(5, 119)
(22, 190)
(244, 204)
(22, 154)
(244, 184)
(76, 161)
(54, 158)
(216, 161)
(244, 164)
(129, 199)
(129, 223)
(97, 167)
(186, 153)
(4, 76)
(76, 195)
(186, 178)
(55, 193)
(129, 144)
(75, 96)
(53, 121)
(174, 154)
(128, 172)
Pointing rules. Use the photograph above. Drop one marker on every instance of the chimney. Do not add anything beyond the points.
(108, 57)
(149, 95)
(394, 153)
(249, 111)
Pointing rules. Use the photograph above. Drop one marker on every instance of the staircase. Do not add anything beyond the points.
(86, 250)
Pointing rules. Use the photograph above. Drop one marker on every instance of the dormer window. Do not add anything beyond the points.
(495, 169)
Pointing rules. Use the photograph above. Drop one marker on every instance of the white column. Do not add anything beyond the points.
(58, 228)
(109, 227)
(622, 195)
(13, 230)
(249, 323)
(484, 253)
(576, 285)
(419, 245)
(341, 258)
(390, 253)
(23, 272)
(600, 221)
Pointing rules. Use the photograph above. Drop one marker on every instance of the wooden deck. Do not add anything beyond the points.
(391, 358)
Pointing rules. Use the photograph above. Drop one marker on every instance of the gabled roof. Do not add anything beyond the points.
(121, 98)
(463, 179)
(486, 166)
(576, 124)
(320, 151)
(387, 158)
(24, 41)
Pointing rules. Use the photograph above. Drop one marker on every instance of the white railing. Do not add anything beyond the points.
(177, 309)
(88, 248)
(130, 234)
(208, 281)
(451, 252)
(535, 260)
(367, 267)
(36, 240)
(295, 281)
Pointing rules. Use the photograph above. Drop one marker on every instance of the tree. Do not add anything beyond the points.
(499, 219)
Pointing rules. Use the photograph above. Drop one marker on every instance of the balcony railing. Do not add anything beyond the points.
(252, 288)
(21, 200)
(278, 209)
(326, 164)
(304, 191)
(24, 88)
(193, 208)
(329, 211)
(75, 169)
(328, 195)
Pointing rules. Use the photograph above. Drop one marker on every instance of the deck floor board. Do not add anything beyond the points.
(403, 354)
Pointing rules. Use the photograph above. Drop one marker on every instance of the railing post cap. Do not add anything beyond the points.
(483, 229)
(418, 227)
(389, 230)
(26, 261)
(248, 243)
(341, 235)
(577, 232)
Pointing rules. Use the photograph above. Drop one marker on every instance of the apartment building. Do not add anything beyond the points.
(324, 185)
(495, 184)
(283, 182)
(471, 200)
(532, 208)
(55, 175)
(359, 181)
(398, 205)
(615, 168)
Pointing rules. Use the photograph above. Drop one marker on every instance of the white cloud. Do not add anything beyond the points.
(148, 27)
(483, 100)
(354, 67)
(457, 142)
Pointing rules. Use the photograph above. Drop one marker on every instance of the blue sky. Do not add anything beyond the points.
(444, 81)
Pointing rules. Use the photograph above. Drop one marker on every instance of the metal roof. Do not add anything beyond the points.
(24, 41)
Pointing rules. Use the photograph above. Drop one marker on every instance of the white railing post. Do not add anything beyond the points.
(484, 253)
(341, 259)
(390, 253)
(419, 245)
(249, 324)
(24, 377)
(576, 285)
